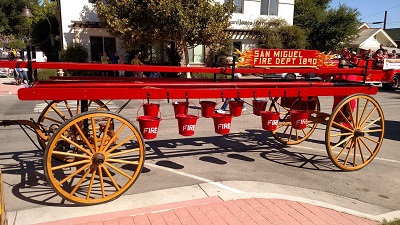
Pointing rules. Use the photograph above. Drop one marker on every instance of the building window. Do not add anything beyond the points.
(238, 5)
(98, 45)
(196, 54)
(269, 7)
(93, 1)
(237, 45)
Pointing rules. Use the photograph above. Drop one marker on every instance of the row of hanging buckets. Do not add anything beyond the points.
(149, 123)
(187, 122)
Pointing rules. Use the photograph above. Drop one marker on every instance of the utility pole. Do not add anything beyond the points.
(384, 21)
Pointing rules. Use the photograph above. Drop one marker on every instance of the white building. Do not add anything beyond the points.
(79, 24)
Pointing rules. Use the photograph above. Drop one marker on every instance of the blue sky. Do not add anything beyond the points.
(374, 11)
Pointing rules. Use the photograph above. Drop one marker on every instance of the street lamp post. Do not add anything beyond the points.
(26, 12)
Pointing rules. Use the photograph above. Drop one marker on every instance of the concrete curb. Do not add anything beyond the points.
(199, 194)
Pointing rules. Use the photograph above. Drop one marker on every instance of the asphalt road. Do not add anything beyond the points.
(248, 153)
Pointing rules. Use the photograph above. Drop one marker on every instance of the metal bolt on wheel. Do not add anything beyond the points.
(354, 132)
(106, 154)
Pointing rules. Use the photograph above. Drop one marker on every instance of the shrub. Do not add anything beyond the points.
(17, 44)
(76, 53)
(396, 221)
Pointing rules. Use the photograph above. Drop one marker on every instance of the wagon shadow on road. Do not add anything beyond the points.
(236, 145)
(32, 186)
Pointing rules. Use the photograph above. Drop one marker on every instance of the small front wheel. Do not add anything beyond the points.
(354, 132)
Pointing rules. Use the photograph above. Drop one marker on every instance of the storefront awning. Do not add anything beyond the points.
(86, 24)
(241, 34)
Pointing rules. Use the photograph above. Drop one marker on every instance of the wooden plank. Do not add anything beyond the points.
(3, 214)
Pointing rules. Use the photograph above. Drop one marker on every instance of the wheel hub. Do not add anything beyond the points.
(358, 133)
(98, 159)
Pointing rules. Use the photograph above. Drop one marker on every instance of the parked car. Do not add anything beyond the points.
(286, 76)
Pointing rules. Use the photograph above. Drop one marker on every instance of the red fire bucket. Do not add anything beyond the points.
(299, 118)
(269, 120)
(180, 107)
(151, 109)
(186, 124)
(259, 106)
(207, 108)
(235, 107)
(222, 123)
(149, 126)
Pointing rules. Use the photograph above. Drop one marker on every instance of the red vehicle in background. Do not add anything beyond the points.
(385, 73)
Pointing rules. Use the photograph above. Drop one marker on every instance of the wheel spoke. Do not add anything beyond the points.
(365, 144)
(123, 161)
(54, 120)
(83, 136)
(91, 184)
(346, 120)
(118, 170)
(73, 174)
(68, 109)
(70, 164)
(371, 123)
(101, 181)
(123, 152)
(105, 134)
(368, 116)
(80, 182)
(96, 147)
(76, 145)
(117, 187)
(120, 144)
(71, 154)
(368, 138)
(114, 138)
(340, 126)
(361, 152)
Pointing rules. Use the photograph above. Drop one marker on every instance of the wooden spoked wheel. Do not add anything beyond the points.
(285, 133)
(354, 132)
(106, 154)
(57, 112)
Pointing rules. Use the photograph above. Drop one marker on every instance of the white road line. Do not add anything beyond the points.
(320, 150)
(231, 189)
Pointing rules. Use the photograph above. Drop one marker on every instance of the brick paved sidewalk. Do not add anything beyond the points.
(217, 212)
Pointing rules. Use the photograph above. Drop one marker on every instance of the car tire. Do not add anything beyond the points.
(290, 76)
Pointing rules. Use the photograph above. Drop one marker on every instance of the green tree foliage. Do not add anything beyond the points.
(17, 44)
(277, 33)
(327, 29)
(76, 53)
(11, 21)
(186, 22)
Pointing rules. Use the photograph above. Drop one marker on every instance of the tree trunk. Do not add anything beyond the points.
(184, 48)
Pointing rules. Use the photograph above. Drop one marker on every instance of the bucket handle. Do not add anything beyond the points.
(299, 100)
(137, 112)
(198, 114)
(266, 102)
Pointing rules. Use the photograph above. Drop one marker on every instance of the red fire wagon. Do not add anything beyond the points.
(93, 155)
